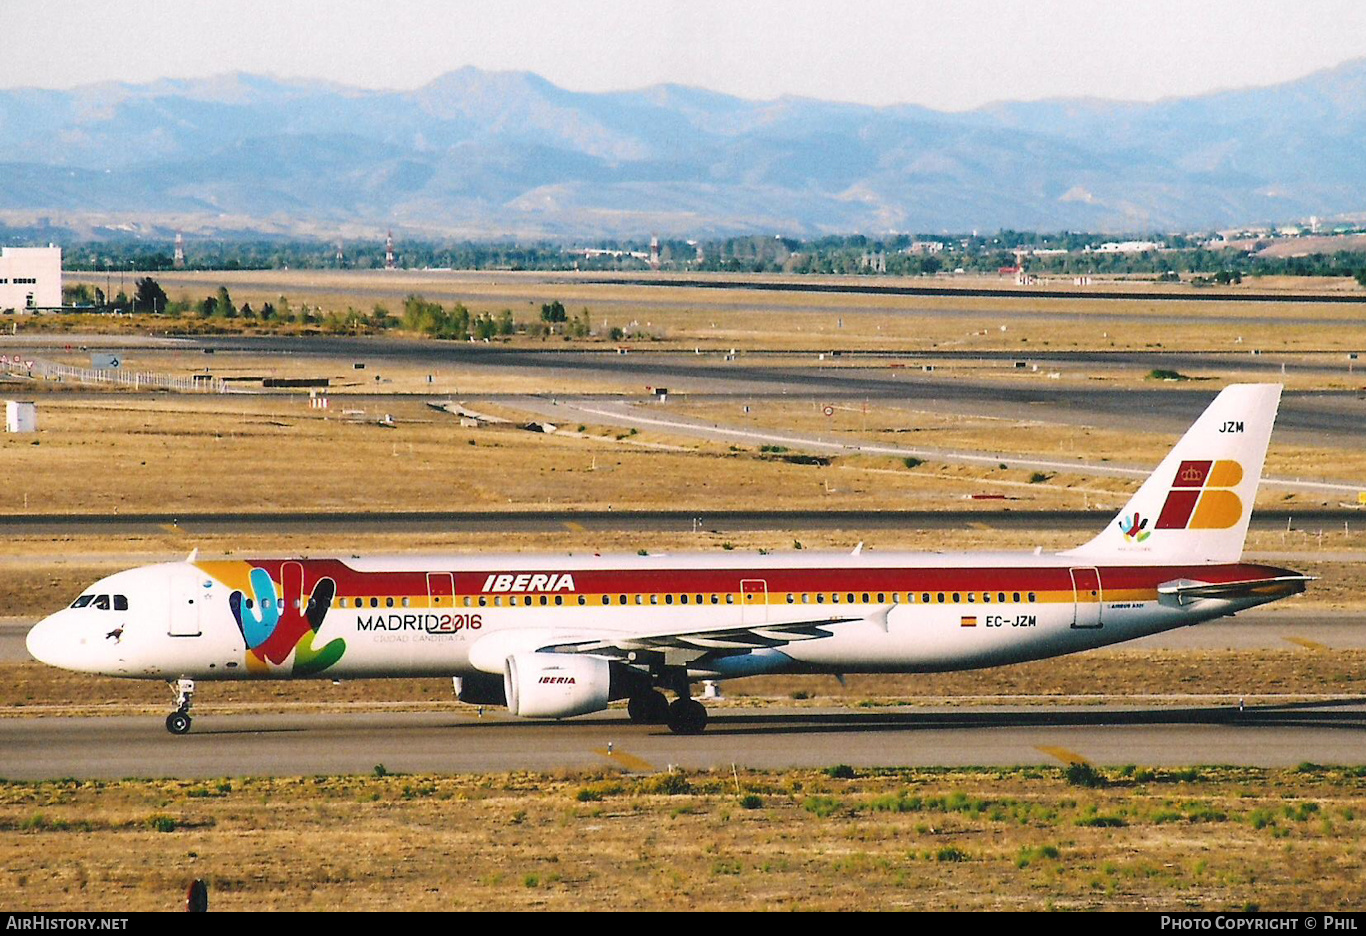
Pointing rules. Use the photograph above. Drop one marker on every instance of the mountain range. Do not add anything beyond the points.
(492, 154)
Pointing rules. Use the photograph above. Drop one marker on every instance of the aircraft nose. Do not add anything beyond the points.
(41, 642)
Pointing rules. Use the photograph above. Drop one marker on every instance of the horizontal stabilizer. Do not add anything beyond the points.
(1281, 586)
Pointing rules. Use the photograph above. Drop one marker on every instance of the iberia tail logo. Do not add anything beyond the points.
(1201, 498)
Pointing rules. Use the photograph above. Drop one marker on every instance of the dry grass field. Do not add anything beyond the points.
(1014, 839)
(723, 318)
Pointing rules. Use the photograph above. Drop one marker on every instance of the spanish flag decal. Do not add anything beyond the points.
(966, 621)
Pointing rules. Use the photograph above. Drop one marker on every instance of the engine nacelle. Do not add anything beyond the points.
(561, 685)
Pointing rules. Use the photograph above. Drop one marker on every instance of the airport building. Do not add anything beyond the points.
(30, 278)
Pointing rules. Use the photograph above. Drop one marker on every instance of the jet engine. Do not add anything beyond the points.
(560, 685)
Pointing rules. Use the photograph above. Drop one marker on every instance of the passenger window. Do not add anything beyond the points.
(957, 597)
(986, 597)
(668, 599)
(1017, 597)
(406, 602)
(881, 598)
(654, 599)
(699, 599)
(483, 602)
(865, 597)
(806, 598)
(850, 596)
(120, 602)
(544, 601)
(972, 597)
(82, 601)
(1001, 597)
(467, 601)
(250, 603)
(730, 599)
(640, 599)
(789, 598)
(683, 599)
(835, 597)
(388, 602)
(497, 601)
(715, 599)
(606, 599)
(925, 597)
(102, 602)
(940, 597)
(559, 599)
(621, 599)
(583, 600)
(820, 597)
(1031, 596)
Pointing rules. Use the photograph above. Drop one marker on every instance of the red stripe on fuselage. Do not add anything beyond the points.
(351, 582)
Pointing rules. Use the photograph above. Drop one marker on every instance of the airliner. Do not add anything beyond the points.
(559, 636)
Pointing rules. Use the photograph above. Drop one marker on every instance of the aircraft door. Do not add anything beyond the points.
(187, 598)
(1087, 596)
(440, 590)
(753, 601)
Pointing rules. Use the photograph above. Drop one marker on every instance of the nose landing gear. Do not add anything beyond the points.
(178, 722)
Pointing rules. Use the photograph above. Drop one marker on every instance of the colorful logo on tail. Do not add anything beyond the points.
(1135, 528)
(1202, 498)
(274, 627)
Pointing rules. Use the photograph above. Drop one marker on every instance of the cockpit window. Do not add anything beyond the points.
(120, 602)
(102, 602)
(82, 601)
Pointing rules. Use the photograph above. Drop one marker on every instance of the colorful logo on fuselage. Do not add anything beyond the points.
(1202, 498)
(274, 627)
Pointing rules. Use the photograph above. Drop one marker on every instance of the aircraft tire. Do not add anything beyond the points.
(687, 717)
(178, 723)
(648, 708)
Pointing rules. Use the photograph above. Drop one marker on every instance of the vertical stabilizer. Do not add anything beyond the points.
(1196, 506)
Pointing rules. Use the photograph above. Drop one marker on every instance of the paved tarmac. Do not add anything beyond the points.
(306, 744)
(1311, 520)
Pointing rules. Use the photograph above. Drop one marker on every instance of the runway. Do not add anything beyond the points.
(288, 745)
(646, 521)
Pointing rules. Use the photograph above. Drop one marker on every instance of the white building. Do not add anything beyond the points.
(30, 278)
(21, 416)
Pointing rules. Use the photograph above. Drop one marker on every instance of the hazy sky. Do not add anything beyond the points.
(947, 55)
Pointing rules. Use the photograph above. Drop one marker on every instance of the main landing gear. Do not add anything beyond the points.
(178, 722)
(683, 716)
(649, 708)
(687, 716)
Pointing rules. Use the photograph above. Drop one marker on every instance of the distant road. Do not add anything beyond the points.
(668, 521)
(875, 289)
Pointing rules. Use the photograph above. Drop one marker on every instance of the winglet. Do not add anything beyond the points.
(194, 554)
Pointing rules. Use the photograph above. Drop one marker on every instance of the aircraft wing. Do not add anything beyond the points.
(726, 639)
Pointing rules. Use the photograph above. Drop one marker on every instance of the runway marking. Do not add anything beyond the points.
(1306, 643)
(629, 761)
(574, 526)
(1062, 754)
(171, 528)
